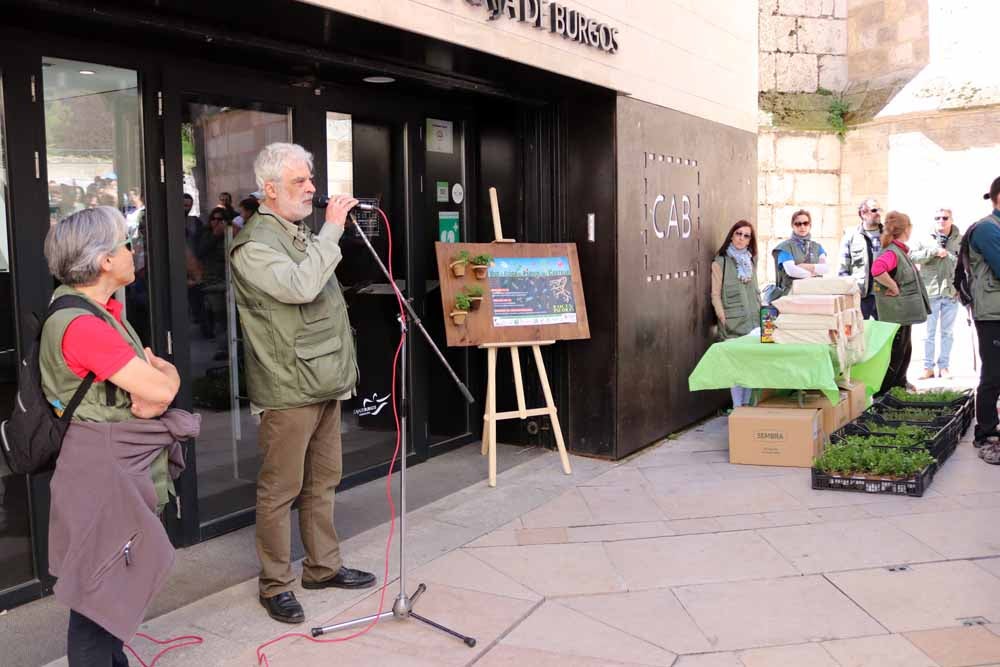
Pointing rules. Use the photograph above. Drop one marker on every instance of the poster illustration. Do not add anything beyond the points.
(530, 291)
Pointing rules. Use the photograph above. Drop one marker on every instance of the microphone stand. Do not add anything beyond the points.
(402, 608)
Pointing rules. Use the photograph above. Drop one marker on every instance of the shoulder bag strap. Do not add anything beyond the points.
(74, 301)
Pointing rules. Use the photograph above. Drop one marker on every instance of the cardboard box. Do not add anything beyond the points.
(833, 415)
(775, 436)
(858, 398)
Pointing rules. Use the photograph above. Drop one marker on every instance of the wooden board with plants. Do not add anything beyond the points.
(497, 293)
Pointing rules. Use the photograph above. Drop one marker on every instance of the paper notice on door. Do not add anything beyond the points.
(439, 136)
(442, 191)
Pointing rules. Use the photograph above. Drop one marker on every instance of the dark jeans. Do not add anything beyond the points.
(90, 645)
(989, 378)
(868, 309)
(899, 360)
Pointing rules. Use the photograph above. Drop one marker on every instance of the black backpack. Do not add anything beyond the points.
(32, 437)
(962, 272)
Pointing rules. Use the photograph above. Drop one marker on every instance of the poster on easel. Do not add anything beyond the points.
(511, 292)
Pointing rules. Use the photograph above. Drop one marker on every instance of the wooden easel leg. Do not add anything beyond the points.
(491, 377)
(491, 410)
(551, 405)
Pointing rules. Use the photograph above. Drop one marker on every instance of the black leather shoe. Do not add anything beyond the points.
(345, 578)
(284, 607)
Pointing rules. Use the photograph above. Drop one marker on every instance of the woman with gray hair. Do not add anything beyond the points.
(107, 545)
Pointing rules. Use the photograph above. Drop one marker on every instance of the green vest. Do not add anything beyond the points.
(985, 284)
(912, 305)
(857, 259)
(938, 273)
(783, 281)
(740, 301)
(103, 402)
(296, 354)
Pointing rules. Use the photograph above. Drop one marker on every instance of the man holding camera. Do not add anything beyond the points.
(300, 363)
(858, 249)
(937, 255)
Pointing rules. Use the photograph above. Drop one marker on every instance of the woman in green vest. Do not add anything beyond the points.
(797, 257)
(900, 295)
(735, 296)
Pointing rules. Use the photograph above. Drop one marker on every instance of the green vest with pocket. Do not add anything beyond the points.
(296, 353)
(740, 301)
(104, 401)
(912, 305)
(782, 280)
(985, 283)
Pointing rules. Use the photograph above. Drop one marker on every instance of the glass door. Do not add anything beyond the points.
(219, 140)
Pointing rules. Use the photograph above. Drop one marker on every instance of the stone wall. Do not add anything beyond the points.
(797, 170)
(803, 45)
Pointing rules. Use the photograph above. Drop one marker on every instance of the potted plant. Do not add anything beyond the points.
(480, 265)
(458, 263)
(461, 311)
(475, 294)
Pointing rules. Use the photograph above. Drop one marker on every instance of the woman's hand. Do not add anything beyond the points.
(893, 290)
(143, 409)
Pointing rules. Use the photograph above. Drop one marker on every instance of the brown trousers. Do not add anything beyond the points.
(300, 458)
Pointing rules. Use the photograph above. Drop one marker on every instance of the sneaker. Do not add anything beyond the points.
(990, 454)
(927, 374)
(944, 373)
(992, 439)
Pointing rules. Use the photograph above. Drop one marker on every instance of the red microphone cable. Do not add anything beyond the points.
(262, 660)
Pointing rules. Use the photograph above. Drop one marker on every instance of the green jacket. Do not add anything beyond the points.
(985, 284)
(912, 305)
(103, 402)
(783, 281)
(740, 301)
(857, 257)
(296, 353)
(938, 273)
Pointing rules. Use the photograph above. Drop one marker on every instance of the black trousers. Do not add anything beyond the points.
(989, 377)
(868, 309)
(90, 645)
(899, 360)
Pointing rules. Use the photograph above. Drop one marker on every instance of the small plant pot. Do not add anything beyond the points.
(475, 302)
(480, 271)
(458, 317)
(458, 269)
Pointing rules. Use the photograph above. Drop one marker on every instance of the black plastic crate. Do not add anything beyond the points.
(914, 487)
(875, 411)
(938, 437)
(949, 428)
(959, 402)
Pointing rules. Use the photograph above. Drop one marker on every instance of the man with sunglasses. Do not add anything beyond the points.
(937, 255)
(859, 247)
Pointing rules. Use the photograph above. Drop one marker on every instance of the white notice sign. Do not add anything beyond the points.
(439, 136)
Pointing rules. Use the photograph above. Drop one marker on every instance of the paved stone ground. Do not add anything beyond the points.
(673, 558)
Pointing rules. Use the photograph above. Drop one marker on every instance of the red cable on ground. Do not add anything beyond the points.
(190, 640)
(262, 660)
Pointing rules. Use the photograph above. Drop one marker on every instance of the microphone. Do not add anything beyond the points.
(322, 201)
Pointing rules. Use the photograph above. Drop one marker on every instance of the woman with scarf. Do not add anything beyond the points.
(735, 296)
(797, 257)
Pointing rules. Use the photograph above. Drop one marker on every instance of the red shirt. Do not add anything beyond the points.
(887, 261)
(91, 344)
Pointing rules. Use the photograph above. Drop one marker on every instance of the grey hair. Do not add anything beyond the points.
(273, 158)
(951, 214)
(76, 245)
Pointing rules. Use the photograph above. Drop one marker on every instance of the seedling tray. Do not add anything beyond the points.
(939, 440)
(892, 401)
(915, 486)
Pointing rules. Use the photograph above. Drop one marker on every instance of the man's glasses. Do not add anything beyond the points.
(942, 217)
(873, 210)
(127, 243)
(801, 223)
(743, 235)
(216, 219)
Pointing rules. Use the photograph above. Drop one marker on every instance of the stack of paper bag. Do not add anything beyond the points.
(823, 311)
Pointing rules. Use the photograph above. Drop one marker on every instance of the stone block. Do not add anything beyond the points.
(765, 71)
(777, 33)
(840, 9)
(765, 221)
(822, 36)
(765, 151)
(769, 7)
(780, 188)
(795, 152)
(901, 55)
(783, 220)
(833, 72)
(817, 189)
(796, 72)
(832, 225)
(911, 28)
(800, 7)
(828, 152)
(761, 189)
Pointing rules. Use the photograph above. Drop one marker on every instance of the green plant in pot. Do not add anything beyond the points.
(458, 263)
(461, 311)
(480, 265)
(475, 294)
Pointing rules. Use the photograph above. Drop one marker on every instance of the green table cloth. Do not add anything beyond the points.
(749, 363)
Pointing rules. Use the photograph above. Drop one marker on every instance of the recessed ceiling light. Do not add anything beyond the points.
(379, 79)
(87, 71)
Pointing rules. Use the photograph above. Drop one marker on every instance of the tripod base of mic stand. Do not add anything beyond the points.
(402, 609)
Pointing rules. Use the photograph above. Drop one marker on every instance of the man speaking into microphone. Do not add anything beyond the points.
(300, 363)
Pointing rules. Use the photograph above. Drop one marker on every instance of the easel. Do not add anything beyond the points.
(491, 416)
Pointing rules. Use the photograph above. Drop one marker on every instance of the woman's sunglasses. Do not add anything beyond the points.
(743, 235)
(801, 223)
(127, 243)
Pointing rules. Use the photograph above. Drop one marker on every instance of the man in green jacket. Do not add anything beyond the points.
(300, 363)
(936, 255)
